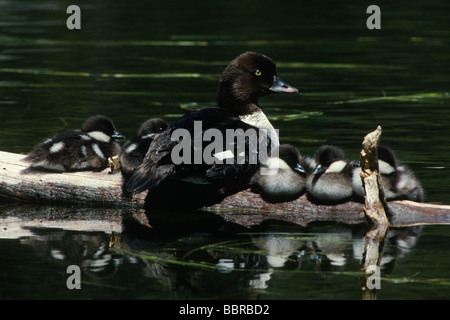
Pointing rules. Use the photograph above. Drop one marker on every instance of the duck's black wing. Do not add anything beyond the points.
(225, 169)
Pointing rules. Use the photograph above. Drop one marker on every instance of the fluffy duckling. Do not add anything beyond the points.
(399, 182)
(134, 151)
(331, 181)
(87, 149)
(282, 178)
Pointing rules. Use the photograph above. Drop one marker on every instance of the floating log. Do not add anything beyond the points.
(246, 208)
(103, 189)
(18, 183)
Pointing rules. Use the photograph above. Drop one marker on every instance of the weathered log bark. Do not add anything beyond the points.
(375, 202)
(375, 212)
(86, 188)
(102, 189)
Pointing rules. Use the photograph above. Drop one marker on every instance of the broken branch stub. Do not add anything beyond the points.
(374, 195)
(374, 209)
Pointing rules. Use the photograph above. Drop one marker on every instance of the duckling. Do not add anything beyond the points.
(282, 178)
(399, 182)
(246, 79)
(87, 149)
(331, 181)
(133, 152)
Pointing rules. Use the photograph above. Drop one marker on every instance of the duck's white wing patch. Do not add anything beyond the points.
(56, 147)
(131, 147)
(227, 154)
(97, 151)
(85, 137)
(84, 150)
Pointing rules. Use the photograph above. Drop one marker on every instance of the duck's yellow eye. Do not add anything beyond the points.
(258, 73)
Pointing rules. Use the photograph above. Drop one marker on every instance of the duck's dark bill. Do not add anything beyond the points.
(319, 169)
(280, 86)
(117, 135)
(300, 169)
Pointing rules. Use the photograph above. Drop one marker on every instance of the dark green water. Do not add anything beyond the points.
(132, 61)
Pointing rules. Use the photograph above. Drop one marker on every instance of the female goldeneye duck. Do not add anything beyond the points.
(399, 182)
(133, 152)
(199, 183)
(282, 178)
(331, 181)
(87, 149)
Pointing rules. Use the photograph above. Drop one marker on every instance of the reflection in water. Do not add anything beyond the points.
(199, 255)
(91, 250)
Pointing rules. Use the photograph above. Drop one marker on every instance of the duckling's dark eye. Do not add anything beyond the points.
(258, 72)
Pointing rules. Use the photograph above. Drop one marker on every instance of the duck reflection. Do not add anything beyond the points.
(200, 255)
(331, 247)
(90, 250)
